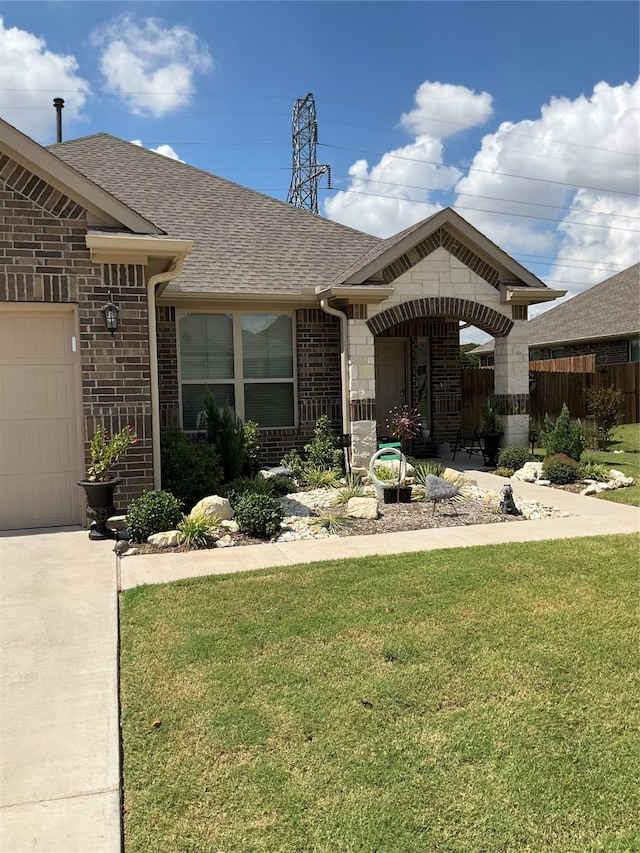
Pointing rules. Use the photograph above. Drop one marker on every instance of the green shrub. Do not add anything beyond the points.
(504, 472)
(294, 463)
(241, 486)
(352, 488)
(259, 515)
(561, 469)
(281, 485)
(605, 408)
(323, 451)
(423, 469)
(320, 478)
(152, 512)
(226, 434)
(190, 466)
(565, 436)
(251, 432)
(595, 471)
(514, 457)
(334, 522)
(198, 531)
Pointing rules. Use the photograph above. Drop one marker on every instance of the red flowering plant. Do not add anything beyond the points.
(404, 422)
(106, 450)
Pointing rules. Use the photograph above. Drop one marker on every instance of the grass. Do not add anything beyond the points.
(481, 699)
(627, 438)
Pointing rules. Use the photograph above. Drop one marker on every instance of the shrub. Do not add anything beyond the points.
(190, 466)
(320, 478)
(561, 469)
(226, 434)
(334, 522)
(152, 512)
(604, 407)
(595, 471)
(504, 472)
(565, 436)
(251, 432)
(293, 462)
(281, 485)
(514, 457)
(198, 531)
(352, 488)
(259, 515)
(323, 451)
(238, 488)
(423, 469)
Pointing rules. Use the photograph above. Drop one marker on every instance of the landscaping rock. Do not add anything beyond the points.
(213, 507)
(117, 522)
(362, 508)
(231, 526)
(529, 473)
(168, 539)
(280, 471)
(225, 542)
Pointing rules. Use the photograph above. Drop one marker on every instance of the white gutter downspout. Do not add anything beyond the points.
(344, 369)
(173, 272)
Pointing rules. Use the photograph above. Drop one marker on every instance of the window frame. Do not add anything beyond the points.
(238, 382)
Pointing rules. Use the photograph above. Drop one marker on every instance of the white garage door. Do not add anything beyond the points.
(39, 442)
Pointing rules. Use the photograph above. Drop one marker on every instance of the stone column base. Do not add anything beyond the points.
(364, 442)
(516, 430)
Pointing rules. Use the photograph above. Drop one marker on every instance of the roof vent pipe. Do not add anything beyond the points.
(58, 103)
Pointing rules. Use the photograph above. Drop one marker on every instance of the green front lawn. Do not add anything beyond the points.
(627, 439)
(479, 699)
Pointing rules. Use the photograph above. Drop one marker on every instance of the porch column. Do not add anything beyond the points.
(362, 387)
(511, 380)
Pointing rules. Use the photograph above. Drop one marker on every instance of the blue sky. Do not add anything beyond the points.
(521, 115)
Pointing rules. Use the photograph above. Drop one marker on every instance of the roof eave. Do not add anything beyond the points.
(69, 181)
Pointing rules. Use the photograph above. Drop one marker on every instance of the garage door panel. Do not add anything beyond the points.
(47, 501)
(26, 392)
(38, 446)
(39, 427)
(35, 339)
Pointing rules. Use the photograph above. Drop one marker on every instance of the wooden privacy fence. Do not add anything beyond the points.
(552, 389)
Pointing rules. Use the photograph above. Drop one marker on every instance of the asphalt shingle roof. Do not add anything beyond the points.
(244, 242)
(606, 310)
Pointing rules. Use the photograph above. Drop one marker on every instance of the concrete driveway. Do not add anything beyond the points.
(59, 728)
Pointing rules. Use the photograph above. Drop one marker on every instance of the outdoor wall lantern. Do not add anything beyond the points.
(110, 311)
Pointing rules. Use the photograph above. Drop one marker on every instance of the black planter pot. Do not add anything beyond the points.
(395, 495)
(100, 506)
(491, 446)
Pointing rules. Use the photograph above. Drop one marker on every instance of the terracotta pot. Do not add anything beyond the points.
(100, 506)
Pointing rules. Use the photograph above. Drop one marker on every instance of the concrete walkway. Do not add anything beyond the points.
(59, 730)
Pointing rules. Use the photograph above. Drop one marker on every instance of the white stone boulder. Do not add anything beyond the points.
(362, 508)
(213, 507)
(529, 473)
(167, 539)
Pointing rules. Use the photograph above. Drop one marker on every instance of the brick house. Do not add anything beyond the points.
(603, 320)
(274, 311)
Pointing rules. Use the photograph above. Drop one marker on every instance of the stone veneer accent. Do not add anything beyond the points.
(44, 259)
(441, 239)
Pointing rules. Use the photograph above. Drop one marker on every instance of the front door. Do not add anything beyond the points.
(392, 388)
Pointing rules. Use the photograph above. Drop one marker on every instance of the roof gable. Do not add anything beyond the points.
(103, 207)
(396, 255)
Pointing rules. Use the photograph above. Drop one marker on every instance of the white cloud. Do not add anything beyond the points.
(165, 150)
(30, 77)
(392, 194)
(149, 65)
(443, 109)
(575, 145)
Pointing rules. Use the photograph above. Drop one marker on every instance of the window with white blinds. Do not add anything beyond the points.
(245, 362)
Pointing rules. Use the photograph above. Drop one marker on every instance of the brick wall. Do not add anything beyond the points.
(44, 259)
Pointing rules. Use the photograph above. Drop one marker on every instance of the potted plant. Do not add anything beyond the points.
(99, 485)
(491, 431)
(403, 423)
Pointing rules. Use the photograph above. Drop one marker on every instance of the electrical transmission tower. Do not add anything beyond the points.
(306, 171)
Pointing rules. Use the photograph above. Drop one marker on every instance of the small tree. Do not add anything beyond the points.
(323, 451)
(565, 436)
(605, 407)
(226, 434)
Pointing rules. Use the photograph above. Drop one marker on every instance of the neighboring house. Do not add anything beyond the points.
(603, 320)
(274, 311)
